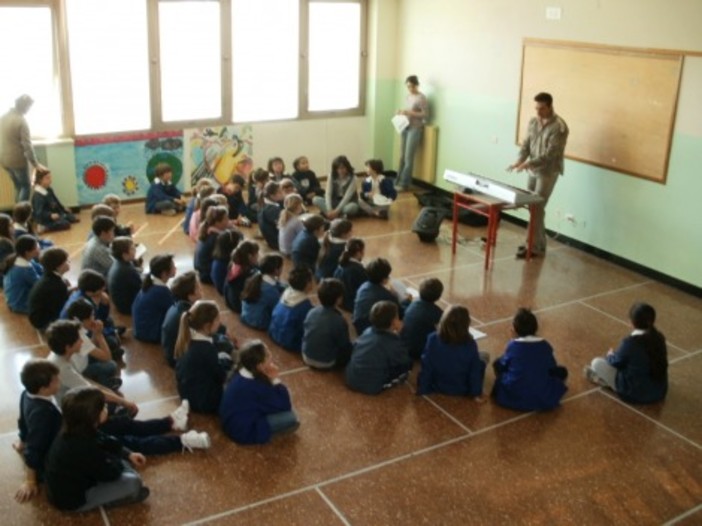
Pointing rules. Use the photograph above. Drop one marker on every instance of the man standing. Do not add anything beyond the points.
(16, 149)
(542, 154)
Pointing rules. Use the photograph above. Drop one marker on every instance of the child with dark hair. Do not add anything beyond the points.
(276, 169)
(197, 196)
(326, 343)
(287, 322)
(48, 212)
(22, 224)
(243, 266)
(257, 181)
(7, 242)
(97, 255)
(341, 196)
(186, 290)
(306, 180)
(527, 377)
(256, 406)
(638, 370)
(422, 316)
(39, 422)
(451, 362)
(377, 191)
(21, 274)
(351, 271)
(305, 247)
(48, 295)
(289, 223)
(115, 203)
(215, 223)
(208, 201)
(124, 277)
(262, 292)
(269, 213)
(153, 300)
(163, 197)
(225, 244)
(287, 186)
(379, 359)
(373, 291)
(333, 246)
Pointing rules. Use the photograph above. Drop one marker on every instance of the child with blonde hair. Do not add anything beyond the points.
(289, 223)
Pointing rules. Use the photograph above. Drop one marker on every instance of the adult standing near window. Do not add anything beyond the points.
(416, 111)
(16, 150)
(541, 155)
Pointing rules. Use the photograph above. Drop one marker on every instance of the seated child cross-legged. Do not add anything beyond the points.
(22, 223)
(379, 359)
(305, 247)
(97, 255)
(527, 377)
(451, 362)
(244, 265)
(115, 203)
(48, 211)
(351, 271)
(153, 300)
(163, 197)
(373, 291)
(333, 246)
(326, 343)
(289, 223)
(216, 221)
(256, 405)
(226, 243)
(262, 292)
(124, 278)
(269, 213)
(22, 272)
(638, 370)
(50, 293)
(377, 191)
(287, 321)
(422, 316)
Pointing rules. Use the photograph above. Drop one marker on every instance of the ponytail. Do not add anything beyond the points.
(183, 340)
(354, 246)
(202, 312)
(251, 355)
(643, 317)
(214, 215)
(252, 288)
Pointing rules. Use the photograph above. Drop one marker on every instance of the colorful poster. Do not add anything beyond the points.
(124, 165)
(219, 152)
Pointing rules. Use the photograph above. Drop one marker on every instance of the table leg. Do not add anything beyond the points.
(454, 226)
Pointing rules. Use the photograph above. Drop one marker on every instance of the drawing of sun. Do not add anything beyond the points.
(130, 185)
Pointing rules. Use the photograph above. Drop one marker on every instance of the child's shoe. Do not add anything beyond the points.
(195, 440)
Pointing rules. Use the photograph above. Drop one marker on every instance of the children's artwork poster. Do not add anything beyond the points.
(125, 164)
(219, 152)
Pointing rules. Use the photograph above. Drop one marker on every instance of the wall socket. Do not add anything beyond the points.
(553, 13)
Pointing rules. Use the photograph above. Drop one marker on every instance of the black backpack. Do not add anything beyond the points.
(428, 222)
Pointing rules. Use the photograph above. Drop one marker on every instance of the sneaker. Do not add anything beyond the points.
(143, 494)
(169, 212)
(592, 377)
(195, 440)
(180, 416)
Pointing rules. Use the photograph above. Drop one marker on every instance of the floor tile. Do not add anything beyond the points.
(590, 462)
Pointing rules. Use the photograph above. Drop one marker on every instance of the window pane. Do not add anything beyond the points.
(265, 59)
(191, 59)
(109, 53)
(27, 63)
(334, 55)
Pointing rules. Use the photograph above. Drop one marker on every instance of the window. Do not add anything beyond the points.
(28, 66)
(109, 65)
(265, 59)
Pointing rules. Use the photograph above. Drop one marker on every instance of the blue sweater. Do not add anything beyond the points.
(257, 314)
(387, 187)
(330, 260)
(218, 273)
(378, 358)
(326, 341)
(353, 275)
(233, 288)
(39, 423)
(305, 250)
(18, 283)
(124, 283)
(634, 383)
(149, 310)
(200, 377)
(368, 295)
(160, 191)
(421, 319)
(268, 217)
(246, 404)
(203, 256)
(45, 205)
(46, 299)
(189, 209)
(287, 322)
(452, 369)
(526, 382)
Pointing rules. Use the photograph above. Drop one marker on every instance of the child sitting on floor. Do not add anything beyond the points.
(195, 200)
(239, 212)
(226, 243)
(97, 255)
(124, 278)
(48, 212)
(21, 273)
(305, 247)
(289, 223)
(216, 222)
(373, 291)
(333, 246)
(50, 293)
(7, 242)
(256, 405)
(377, 191)
(22, 224)
(351, 271)
(422, 316)
(306, 180)
(262, 292)
(379, 359)
(287, 322)
(153, 300)
(451, 362)
(243, 266)
(638, 370)
(115, 203)
(527, 377)
(163, 197)
(326, 342)
(269, 213)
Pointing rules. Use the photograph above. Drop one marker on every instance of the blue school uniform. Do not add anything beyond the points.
(246, 404)
(39, 424)
(45, 203)
(368, 295)
(305, 250)
(46, 299)
(330, 260)
(189, 209)
(386, 187)
(160, 191)
(200, 376)
(326, 341)
(633, 381)
(452, 369)
(124, 283)
(237, 206)
(218, 273)
(287, 321)
(352, 275)
(257, 314)
(306, 183)
(378, 360)
(421, 319)
(236, 278)
(21, 230)
(149, 310)
(268, 217)
(18, 283)
(525, 379)
(203, 256)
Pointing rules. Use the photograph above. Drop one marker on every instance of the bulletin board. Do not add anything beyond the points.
(619, 103)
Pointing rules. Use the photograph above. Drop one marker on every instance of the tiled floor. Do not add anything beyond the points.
(402, 459)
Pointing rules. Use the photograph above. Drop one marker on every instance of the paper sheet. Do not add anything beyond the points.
(400, 122)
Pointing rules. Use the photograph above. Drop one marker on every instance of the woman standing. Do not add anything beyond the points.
(416, 110)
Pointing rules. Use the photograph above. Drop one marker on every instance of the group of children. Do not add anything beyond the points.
(85, 451)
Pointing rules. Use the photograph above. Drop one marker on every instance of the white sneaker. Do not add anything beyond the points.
(180, 416)
(194, 440)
